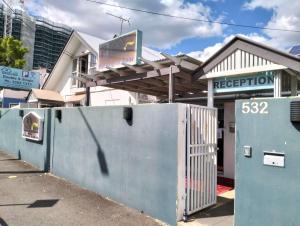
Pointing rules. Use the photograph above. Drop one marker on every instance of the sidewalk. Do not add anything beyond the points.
(219, 215)
(31, 197)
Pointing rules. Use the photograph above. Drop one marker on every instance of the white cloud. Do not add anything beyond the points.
(161, 32)
(286, 15)
(206, 53)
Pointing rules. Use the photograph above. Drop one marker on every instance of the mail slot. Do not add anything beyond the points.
(274, 159)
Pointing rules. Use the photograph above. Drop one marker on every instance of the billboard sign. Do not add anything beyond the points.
(123, 49)
(258, 81)
(18, 79)
(32, 126)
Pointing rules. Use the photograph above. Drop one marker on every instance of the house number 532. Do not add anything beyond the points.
(255, 107)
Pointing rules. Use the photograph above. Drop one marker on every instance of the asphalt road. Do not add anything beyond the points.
(29, 197)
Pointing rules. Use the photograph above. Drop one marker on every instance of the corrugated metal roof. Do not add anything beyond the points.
(15, 93)
(49, 95)
(295, 50)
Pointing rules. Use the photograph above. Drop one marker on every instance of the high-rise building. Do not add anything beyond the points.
(44, 38)
(50, 39)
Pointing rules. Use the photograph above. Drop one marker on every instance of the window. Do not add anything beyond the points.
(93, 61)
(81, 66)
(74, 71)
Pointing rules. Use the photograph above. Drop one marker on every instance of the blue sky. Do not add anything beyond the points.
(233, 12)
(174, 36)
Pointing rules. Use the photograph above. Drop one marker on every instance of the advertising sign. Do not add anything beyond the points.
(32, 126)
(123, 49)
(18, 79)
(259, 81)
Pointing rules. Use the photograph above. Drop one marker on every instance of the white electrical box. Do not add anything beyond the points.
(274, 160)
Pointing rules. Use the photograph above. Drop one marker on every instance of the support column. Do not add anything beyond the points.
(210, 93)
(277, 84)
(294, 85)
(171, 85)
(87, 96)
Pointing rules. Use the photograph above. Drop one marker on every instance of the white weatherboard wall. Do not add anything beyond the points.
(107, 96)
(229, 140)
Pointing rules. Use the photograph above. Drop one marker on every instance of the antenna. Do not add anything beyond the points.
(122, 21)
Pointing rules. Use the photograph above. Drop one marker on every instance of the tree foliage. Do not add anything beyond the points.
(12, 53)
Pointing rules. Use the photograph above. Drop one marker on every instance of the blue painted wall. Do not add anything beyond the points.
(135, 165)
(267, 195)
(6, 101)
(94, 147)
(11, 140)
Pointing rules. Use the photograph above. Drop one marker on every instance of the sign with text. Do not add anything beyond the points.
(32, 127)
(259, 81)
(123, 49)
(18, 79)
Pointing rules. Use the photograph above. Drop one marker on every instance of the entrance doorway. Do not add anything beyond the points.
(220, 136)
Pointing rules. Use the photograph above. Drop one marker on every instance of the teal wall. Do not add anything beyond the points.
(97, 149)
(11, 141)
(267, 195)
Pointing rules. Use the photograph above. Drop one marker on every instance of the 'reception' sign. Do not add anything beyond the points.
(259, 81)
(18, 79)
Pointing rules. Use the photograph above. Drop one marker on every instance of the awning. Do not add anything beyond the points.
(75, 98)
(47, 95)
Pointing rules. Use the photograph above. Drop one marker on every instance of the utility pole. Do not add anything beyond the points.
(122, 21)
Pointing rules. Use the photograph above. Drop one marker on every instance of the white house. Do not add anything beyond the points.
(80, 57)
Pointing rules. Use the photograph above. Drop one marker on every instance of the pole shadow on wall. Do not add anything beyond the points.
(100, 153)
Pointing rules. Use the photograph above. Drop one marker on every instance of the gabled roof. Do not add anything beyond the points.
(255, 48)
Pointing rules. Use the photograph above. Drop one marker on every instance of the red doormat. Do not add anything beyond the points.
(224, 185)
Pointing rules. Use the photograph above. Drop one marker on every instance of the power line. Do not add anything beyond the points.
(192, 19)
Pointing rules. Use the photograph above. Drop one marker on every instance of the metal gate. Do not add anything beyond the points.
(201, 171)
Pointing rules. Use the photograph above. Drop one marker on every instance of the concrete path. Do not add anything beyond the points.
(29, 197)
(219, 215)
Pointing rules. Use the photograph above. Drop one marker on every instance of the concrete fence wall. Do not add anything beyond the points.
(140, 164)
(11, 140)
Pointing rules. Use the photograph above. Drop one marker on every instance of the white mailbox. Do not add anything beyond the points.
(274, 159)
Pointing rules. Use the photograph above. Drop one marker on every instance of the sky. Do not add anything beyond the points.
(173, 36)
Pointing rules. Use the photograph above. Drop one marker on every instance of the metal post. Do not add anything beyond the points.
(210, 93)
(277, 84)
(171, 85)
(87, 96)
(294, 85)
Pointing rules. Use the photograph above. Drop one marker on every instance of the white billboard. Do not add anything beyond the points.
(123, 49)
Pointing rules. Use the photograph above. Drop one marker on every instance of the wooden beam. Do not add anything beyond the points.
(93, 77)
(137, 69)
(153, 64)
(79, 78)
(181, 62)
(119, 72)
(149, 74)
(154, 81)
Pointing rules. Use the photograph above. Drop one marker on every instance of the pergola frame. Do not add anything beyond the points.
(167, 79)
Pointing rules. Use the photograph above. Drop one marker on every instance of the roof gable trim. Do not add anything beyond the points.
(259, 50)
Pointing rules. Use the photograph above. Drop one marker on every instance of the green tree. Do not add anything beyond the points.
(12, 52)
